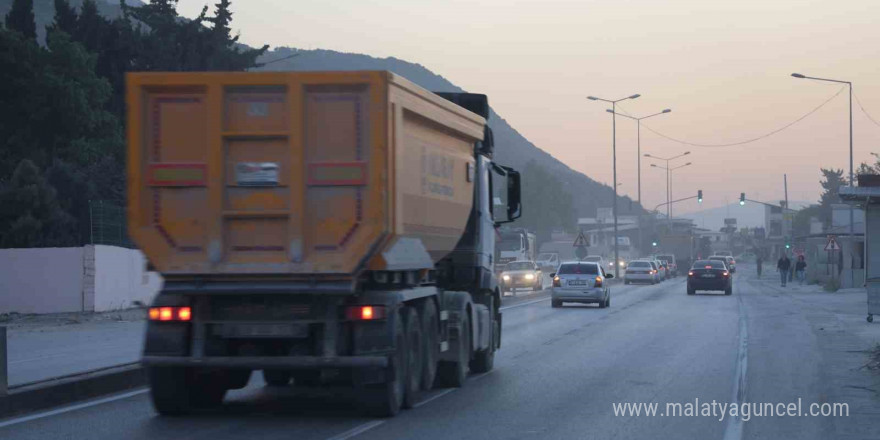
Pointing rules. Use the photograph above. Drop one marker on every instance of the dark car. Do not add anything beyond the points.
(709, 275)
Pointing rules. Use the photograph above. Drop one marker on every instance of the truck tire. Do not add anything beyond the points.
(386, 399)
(454, 373)
(484, 360)
(179, 390)
(415, 356)
(276, 378)
(428, 314)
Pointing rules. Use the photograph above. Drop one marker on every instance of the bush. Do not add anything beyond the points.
(833, 285)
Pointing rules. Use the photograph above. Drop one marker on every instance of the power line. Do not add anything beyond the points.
(747, 141)
(865, 111)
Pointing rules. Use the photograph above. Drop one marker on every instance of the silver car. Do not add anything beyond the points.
(641, 271)
(581, 282)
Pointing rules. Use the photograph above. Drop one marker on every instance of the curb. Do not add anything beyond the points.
(56, 392)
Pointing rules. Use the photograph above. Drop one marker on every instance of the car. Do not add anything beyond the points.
(581, 282)
(548, 261)
(728, 261)
(724, 253)
(661, 270)
(521, 274)
(640, 271)
(670, 263)
(667, 273)
(711, 274)
(598, 259)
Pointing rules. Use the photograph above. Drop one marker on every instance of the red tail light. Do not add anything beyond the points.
(725, 273)
(170, 314)
(653, 270)
(557, 282)
(690, 273)
(365, 313)
(598, 282)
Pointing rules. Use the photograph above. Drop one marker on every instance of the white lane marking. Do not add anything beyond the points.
(524, 304)
(434, 397)
(358, 430)
(734, 430)
(72, 408)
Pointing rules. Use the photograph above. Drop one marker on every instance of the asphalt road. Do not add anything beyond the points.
(558, 374)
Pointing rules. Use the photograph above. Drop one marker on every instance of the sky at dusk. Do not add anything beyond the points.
(723, 67)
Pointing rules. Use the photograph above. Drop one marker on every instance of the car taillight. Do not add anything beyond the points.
(725, 273)
(170, 314)
(654, 271)
(556, 282)
(598, 282)
(365, 313)
(690, 273)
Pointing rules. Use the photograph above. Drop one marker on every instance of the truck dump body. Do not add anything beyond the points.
(295, 174)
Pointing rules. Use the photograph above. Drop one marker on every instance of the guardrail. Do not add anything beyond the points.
(63, 390)
(4, 377)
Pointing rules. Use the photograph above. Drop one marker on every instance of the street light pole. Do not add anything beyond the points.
(639, 161)
(668, 182)
(669, 189)
(852, 235)
(614, 166)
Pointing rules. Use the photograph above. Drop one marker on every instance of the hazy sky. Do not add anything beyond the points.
(722, 66)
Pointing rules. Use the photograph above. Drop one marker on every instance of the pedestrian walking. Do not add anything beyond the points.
(800, 269)
(760, 263)
(784, 268)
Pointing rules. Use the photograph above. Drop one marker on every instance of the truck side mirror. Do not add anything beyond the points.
(514, 201)
(514, 198)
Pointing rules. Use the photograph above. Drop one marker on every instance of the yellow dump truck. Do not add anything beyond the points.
(322, 227)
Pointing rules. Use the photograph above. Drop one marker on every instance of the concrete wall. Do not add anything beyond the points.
(44, 280)
(121, 279)
(58, 280)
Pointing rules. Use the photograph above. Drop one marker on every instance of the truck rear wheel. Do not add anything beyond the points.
(454, 373)
(414, 356)
(428, 314)
(385, 400)
(179, 390)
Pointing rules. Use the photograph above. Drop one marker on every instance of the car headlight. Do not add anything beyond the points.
(622, 264)
(530, 276)
(505, 277)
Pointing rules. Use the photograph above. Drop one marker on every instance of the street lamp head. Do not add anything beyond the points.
(686, 153)
(687, 164)
(798, 75)
(609, 110)
(667, 110)
(634, 96)
(647, 155)
(654, 165)
(592, 98)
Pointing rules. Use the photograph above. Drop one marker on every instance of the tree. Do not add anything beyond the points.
(831, 183)
(31, 215)
(21, 18)
(65, 18)
(54, 104)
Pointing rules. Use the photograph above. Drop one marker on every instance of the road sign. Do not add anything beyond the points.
(832, 244)
(580, 241)
(580, 252)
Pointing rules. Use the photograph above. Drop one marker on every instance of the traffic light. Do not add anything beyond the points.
(699, 196)
(742, 199)
(787, 246)
(654, 243)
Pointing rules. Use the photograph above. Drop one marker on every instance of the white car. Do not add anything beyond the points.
(581, 282)
(641, 271)
(548, 261)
